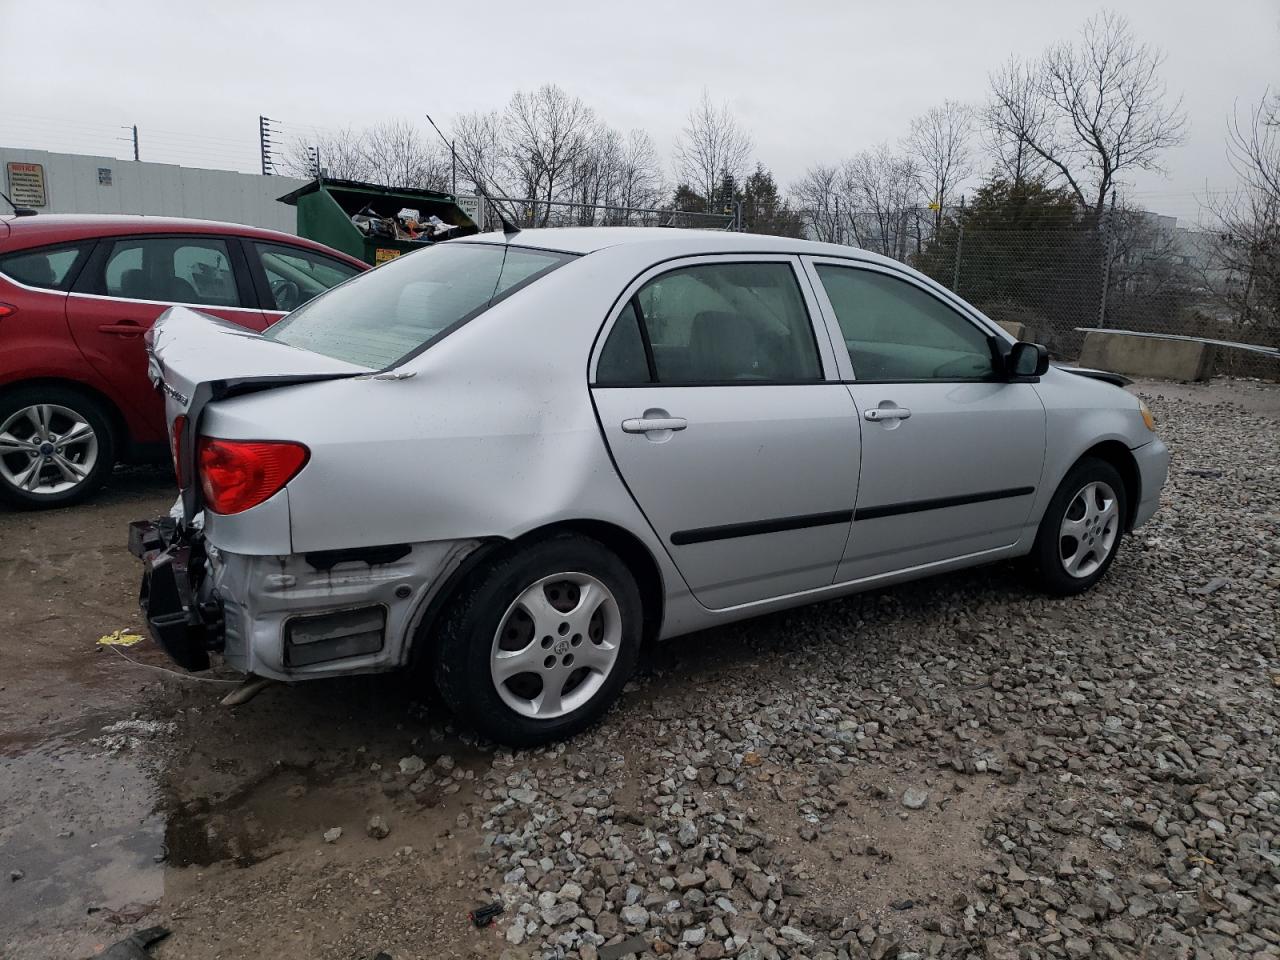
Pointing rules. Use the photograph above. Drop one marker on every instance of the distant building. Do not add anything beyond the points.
(76, 183)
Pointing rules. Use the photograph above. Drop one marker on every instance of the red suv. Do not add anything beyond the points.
(76, 295)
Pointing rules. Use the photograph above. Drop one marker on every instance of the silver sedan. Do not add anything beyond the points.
(512, 460)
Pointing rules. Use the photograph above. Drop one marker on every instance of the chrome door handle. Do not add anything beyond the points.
(876, 414)
(647, 424)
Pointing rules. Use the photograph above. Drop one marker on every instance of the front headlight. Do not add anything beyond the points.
(1147, 418)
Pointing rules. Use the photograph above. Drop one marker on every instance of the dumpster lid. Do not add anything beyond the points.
(373, 189)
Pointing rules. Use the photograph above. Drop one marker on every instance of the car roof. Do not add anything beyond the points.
(60, 228)
(667, 241)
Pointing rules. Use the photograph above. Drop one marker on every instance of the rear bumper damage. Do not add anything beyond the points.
(185, 625)
(287, 617)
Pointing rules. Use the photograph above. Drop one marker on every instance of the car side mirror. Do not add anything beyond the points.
(1026, 360)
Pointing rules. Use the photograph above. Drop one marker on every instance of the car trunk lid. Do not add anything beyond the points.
(194, 359)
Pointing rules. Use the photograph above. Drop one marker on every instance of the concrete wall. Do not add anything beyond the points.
(1016, 328)
(162, 189)
(1156, 357)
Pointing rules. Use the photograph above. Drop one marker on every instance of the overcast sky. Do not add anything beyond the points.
(810, 80)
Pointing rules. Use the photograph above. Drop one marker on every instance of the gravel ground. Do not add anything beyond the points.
(954, 768)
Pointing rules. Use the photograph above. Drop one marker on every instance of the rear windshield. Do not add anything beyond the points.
(382, 317)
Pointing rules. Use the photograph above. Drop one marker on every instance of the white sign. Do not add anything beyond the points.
(26, 184)
(472, 208)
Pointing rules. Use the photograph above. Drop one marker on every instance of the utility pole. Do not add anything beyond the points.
(264, 144)
(134, 137)
(1108, 254)
(453, 153)
(955, 280)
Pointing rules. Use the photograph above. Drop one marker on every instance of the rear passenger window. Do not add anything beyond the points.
(729, 323)
(622, 360)
(51, 268)
(193, 270)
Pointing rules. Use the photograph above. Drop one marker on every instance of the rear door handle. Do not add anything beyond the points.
(648, 424)
(125, 328)
(876, 414)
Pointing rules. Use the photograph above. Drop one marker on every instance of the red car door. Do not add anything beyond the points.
(129, 283)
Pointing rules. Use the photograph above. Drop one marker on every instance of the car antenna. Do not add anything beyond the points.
(17, 210)
(509, 229)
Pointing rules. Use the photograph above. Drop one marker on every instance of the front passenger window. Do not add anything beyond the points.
(895, 331)
(295, 276)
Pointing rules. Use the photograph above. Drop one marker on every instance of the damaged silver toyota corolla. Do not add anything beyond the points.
(514, 459)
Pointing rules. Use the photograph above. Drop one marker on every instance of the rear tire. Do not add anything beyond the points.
(539, 640)
(57, 446)
(1081, 531)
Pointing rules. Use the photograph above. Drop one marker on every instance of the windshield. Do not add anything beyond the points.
(382, 317)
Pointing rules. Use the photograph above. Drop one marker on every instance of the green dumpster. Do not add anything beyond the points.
(326, 207)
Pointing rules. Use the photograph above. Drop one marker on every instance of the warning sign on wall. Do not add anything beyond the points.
(26, 184)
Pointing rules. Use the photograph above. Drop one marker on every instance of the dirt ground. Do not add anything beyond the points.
(131, 797)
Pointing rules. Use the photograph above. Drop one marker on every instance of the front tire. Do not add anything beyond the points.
(538, 641)
(57, 447)
(1081, 529)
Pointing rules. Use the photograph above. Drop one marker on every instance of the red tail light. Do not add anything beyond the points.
(7, 310)
(238, 474)
(175, 446)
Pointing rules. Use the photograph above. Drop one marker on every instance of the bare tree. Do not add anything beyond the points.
(1246, 246)
(1015, 114)
(477, 141)
(545, 134)
(596, 174)
(711, 145)
(1091, 110)
(340, 154)
(615, 172)
(640, 181)
(939, 145)
(817, 196)
(884, 194)
(399, 156)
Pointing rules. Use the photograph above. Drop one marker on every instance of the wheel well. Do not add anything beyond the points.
(626, 545)
(630, 550)
(1118, 455)
(124, 442)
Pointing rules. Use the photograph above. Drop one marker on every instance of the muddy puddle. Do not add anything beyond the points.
(86, 850)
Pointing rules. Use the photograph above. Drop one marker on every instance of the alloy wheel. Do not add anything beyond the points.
(556, 645)
(46, 449)
(1089, 529)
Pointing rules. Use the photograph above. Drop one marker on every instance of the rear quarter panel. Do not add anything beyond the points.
(493, 435)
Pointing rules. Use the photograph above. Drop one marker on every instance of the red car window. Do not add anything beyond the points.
(52, 268)
(173, 270)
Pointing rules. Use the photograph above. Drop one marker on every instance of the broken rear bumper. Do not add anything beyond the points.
(287, 617)
(173, 559)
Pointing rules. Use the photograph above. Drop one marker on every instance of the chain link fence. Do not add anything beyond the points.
(1063, 273)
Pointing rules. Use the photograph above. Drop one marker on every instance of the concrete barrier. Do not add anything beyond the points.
(1015, 328)
(1156, 357)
